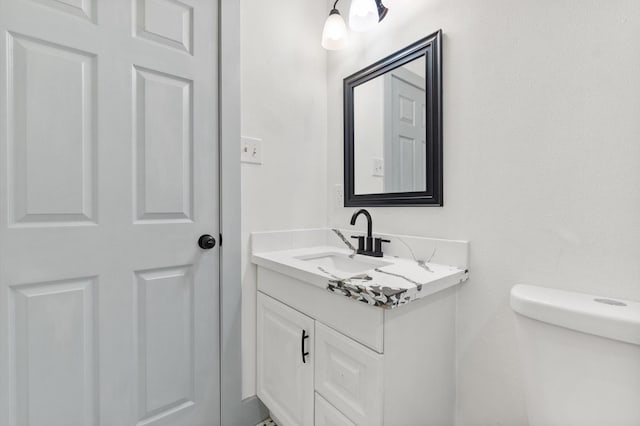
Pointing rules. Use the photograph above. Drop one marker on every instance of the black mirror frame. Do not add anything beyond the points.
(431, 48)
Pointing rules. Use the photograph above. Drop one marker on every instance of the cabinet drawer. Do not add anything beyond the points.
(359, 321)
(328, 415)
(349, 376)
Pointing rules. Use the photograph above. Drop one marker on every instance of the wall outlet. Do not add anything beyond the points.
(339, 195)
(377, 168)
(251, 150)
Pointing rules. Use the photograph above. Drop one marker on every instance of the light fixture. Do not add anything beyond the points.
(363, 15)
(382, 10)
(334, 35)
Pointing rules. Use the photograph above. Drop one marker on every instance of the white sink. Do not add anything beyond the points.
(323, 258)
(342, 263)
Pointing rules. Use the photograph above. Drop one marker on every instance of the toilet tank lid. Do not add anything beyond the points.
(602, 316)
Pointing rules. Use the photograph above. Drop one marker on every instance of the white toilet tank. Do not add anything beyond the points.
(581, 357)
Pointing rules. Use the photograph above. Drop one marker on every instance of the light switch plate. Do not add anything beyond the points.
(251, 150)
(377, 167)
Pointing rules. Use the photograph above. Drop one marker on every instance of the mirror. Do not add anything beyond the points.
(389, 115)
(393, 137)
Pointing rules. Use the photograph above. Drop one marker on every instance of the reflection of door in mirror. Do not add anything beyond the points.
(405, 131)
(390, 133)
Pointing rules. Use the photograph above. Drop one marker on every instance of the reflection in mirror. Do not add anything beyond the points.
(390, 131)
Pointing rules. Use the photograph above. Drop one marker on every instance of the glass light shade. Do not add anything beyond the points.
(334, 35)
(363, 15)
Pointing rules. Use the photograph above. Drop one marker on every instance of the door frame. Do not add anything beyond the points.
(233, 410)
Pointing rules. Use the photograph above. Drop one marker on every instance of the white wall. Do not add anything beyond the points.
(284, 102)
(541, 162)
(541, 129)
(368, 116)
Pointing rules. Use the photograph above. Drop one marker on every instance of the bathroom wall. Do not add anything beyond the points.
(368, 116)
(284, 102)
(541, 162)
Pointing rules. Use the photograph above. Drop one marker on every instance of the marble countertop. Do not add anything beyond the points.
(388, 282)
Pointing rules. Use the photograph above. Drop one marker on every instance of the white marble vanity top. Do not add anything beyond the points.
(412, 268)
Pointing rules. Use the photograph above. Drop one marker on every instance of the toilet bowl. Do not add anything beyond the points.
(580, 356)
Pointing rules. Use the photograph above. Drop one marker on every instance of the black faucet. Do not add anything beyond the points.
(373, 246)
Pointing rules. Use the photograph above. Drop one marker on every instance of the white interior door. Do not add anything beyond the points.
(405, 150)
(108, 176)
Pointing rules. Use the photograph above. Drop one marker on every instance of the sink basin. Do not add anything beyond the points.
(342, 263)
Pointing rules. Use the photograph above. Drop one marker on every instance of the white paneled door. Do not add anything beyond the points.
(108, 177)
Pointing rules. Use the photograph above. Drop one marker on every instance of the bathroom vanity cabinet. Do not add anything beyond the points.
(329, 360)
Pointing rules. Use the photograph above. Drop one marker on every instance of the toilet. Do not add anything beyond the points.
(580, 355)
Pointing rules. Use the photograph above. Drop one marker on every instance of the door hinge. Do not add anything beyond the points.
(220, 241)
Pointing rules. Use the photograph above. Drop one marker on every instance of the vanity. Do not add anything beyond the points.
(348, 339)
(357, 329)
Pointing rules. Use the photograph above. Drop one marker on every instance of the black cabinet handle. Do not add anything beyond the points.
(304, 354)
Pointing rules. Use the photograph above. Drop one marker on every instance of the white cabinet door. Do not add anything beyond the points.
(350, 376)
(328, 415)
(108, 152)
(285, 374)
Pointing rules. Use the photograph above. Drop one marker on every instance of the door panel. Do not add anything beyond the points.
(108, 152)
(82, 8)
(164, 146)
(285, 382)
(51, 134)
(54, 332)
(167, 22)
(165, 339)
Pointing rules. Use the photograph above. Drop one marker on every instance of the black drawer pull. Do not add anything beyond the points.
(304, 354)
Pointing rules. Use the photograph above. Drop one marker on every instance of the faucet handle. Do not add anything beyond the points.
(378, 246)
(360, 239)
